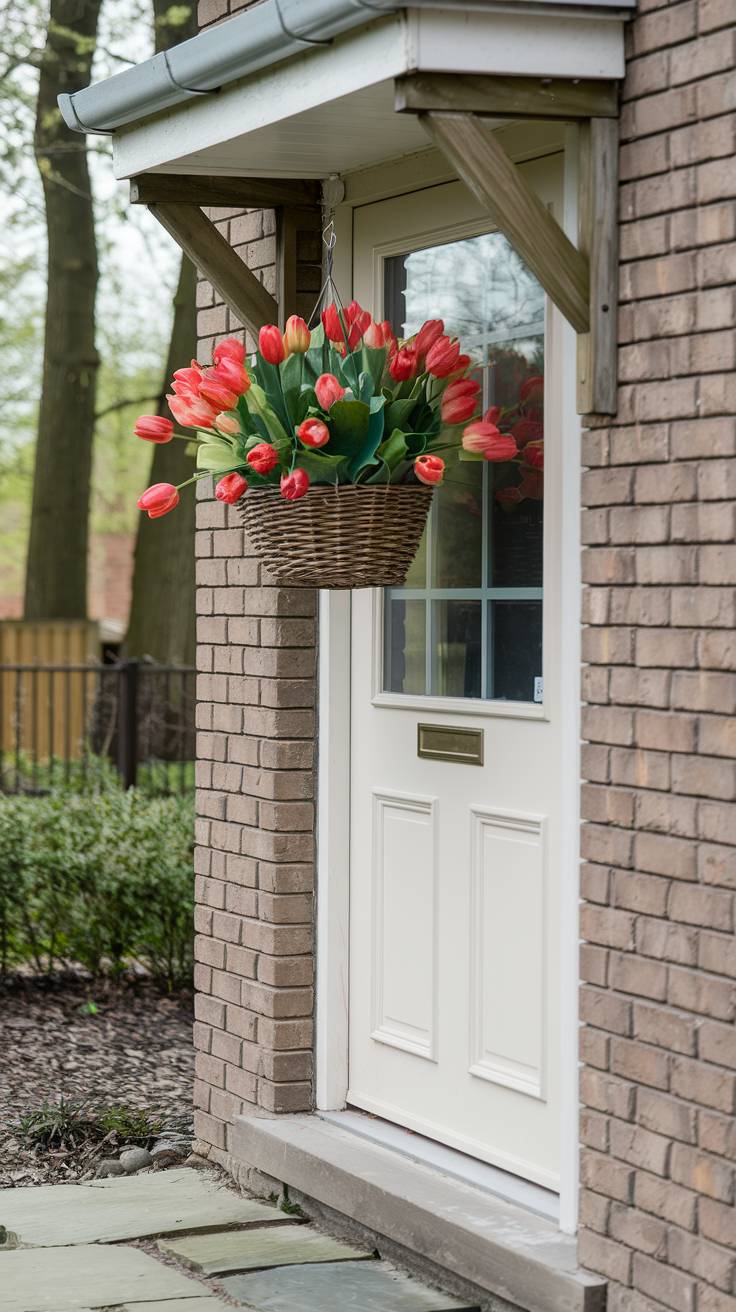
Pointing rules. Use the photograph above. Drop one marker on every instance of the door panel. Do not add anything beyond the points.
(454, 886)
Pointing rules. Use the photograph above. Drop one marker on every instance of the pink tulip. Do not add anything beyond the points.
(186, 381)
(271, 344)
(217, 393)
(486, 440)
(328, 390)
(262, 458)
(427, 336)
(312, 432)
(229, 349)
(158, 500)
(192, 411)
(460, 401)
(296, 336)
(429, 469)
(442, 357)
(231, 488)
(154, 428)
(375, 336)
(492, 414)
(227, 424)
(404, 364)
(232, 374)
(294, 485)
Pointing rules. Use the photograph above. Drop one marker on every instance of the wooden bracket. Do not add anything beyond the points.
(245, 193)
(212, 254)
(485, 168)
(506, 97)
(598, 239)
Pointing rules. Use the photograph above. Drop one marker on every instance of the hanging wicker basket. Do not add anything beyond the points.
(337, 537)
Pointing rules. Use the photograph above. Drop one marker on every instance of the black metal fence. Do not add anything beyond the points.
(75, 724)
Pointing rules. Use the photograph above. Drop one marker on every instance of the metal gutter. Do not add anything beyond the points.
(265, 34)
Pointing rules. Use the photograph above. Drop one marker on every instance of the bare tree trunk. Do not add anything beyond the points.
(162, 620)
(56, 572)
(162, 623)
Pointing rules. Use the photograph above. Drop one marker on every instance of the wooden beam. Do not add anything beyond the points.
(195, 189)
(216, 259)
(485, 168)
(506, 97)
(598, 224)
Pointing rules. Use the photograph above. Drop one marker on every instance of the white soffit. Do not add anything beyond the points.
(330, 110)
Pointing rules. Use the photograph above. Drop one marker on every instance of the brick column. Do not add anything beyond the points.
(659, 964)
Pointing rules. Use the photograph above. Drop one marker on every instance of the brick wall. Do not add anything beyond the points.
(658, 879)
(254, 858)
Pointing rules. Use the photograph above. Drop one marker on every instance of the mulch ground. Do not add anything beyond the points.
(131, 1048)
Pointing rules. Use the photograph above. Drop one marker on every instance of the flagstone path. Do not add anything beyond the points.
(79, 1248)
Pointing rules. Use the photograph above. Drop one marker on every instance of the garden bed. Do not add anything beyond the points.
(112, 1049)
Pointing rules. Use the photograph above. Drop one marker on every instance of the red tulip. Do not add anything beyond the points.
(228, 424)
(192, 411)
(531, 390)
(428, 334)
(295, 484)
(328, 390)
(508, 497)
(154, 428)
(460, 401)
(271, 344)
(404, 364)
(217, 393)
(263, 458)
(532, 485)
(229, 349)
(429, 469)
(296, 336)
(485, 440)
(442, 357)
(232, 374)
(312, 432)
(492, 414)
(158, 500)
(231, 488)
(331, 323)
(534, 454)
(527, 430)
(374, 336)
(358, 321)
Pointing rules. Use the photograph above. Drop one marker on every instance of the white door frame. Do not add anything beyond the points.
(333, 815)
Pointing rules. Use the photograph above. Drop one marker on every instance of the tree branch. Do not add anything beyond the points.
(122, 405)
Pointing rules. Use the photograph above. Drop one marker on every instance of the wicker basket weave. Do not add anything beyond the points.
(337, 537)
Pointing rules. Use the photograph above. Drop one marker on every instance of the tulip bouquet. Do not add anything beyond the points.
(344, 404)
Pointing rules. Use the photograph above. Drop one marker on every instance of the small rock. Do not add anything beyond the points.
(135, 1159)
(109, 1166)
(168, 1150)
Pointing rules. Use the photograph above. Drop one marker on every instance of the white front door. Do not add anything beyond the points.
(455, 837)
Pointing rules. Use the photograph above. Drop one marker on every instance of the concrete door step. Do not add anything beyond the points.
(493, 1245)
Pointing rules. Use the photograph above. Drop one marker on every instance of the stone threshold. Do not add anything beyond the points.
(497, 1247)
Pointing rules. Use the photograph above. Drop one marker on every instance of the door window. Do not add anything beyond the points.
(468, 622)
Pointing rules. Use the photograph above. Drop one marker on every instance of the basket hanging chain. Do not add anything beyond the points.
(328, 291)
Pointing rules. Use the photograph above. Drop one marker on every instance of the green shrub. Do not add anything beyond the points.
(98, 879)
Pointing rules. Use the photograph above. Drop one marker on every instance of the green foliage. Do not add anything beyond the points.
(100, 879)
(67, 1124)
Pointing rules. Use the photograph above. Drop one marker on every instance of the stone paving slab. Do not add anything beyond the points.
(243, 1250)
(90, 1276)
(171, 1305)
(134, 1208)
(333, 1287)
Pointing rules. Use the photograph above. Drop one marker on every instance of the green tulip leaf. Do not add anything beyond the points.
(259, 406)
(397, 413)
(321, 467)
(348, 424)
(394, 449)
(215, 457)
(367, 449)
(380, 475)
(374, 363)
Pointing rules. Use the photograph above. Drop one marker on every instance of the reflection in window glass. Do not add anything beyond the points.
(405, 657)
(468, 622)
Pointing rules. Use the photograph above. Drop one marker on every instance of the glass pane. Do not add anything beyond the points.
(476, 583)
(458, 539)
(405, 647)
(516, 650)
(457, 657)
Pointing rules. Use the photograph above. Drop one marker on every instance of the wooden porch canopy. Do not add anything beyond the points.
(581, 280)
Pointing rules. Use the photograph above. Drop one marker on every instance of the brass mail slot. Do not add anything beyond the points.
(445, 742)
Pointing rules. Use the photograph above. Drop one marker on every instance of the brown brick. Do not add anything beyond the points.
(666, 1116)
(699, 1082)
(664, 1027)
(660, 1282)
(638, 1230)
(665, 1199)
(640, 1063)
(613, 1179)
(604, 1255)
